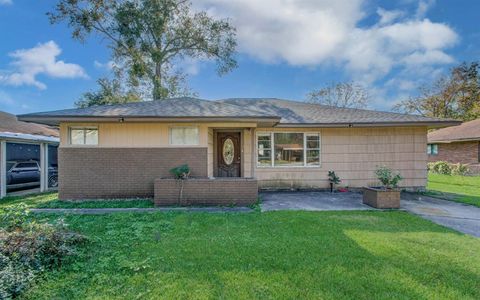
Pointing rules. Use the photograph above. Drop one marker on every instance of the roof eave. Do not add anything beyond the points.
(56, 120)
(473, 139)
(429, 124)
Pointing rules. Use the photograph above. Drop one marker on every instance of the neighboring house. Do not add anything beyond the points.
(119, 150)
(457, 144)
(24, 148)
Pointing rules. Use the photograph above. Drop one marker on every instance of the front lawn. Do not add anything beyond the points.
(50, 200)
(285, 254)
(465, 189)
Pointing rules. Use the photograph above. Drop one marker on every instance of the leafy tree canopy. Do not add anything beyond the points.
(456, 95)
(149, 37)
(110, 92)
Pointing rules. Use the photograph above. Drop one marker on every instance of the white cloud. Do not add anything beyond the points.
(388, 16)
(423, 7)
(313, 32)
(6, 2)
(41, 59)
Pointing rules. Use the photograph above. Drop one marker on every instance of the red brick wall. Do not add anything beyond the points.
(103, 173)
(205, 191)
(457, 152)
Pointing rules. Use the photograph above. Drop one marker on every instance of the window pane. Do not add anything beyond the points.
(91, 137)
(264, 142)
(191, 136)
(288, 149)
(313, 141)
(184, 136)
(264, 158)
(435, 149)
(313, 157)
(76, 137)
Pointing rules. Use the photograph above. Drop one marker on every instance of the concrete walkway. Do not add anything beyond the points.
(312, 201)
(461, 217)
(99, 211)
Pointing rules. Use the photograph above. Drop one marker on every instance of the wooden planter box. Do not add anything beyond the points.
(380, 198)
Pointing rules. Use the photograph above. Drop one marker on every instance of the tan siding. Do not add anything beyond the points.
(210, 152)
(247, 153)
(125, 135)
(354, 154)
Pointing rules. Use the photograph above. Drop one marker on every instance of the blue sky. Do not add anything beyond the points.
(286, 49)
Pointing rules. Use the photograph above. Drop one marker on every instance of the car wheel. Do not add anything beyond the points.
(53, 181)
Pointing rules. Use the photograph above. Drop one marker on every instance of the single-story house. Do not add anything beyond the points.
(121, 150)
(27, 152)
(456, 144)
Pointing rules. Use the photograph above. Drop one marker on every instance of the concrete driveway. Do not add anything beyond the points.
(460, 217)
(312, 201)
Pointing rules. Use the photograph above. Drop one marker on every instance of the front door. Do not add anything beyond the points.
(228, 154)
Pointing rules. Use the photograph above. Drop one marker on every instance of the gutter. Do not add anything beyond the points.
(55, 120)
(430, 124)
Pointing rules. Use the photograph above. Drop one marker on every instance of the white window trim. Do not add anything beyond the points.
(83, 128)
(170, 142)
(272, 152)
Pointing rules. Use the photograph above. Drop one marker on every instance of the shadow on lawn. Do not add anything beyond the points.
(268, 255)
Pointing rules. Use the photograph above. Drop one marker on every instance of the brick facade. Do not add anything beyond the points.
(103, 173)
(205, 191)
(459, 152)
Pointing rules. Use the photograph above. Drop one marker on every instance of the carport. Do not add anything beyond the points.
(27, 151)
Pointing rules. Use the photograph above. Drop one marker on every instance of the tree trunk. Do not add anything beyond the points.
(159, 92)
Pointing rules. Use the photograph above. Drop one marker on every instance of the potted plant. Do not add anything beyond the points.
(181, 173)
(334, 179)
(387, 195)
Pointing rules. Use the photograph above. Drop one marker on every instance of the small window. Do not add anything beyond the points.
(84, 136)
(432, 149)
(184, 136)
(264, 150)
(313, 149)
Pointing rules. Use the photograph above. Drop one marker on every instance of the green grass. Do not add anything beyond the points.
(286, 255)
(465, 189)
(50, 200)
(274, 255)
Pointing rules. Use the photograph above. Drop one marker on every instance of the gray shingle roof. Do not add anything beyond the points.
(287, 111)
(295, 112)
(467, 131)
(168, 108)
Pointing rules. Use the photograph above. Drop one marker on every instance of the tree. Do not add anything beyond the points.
(110, 92)
(150, 37)
(346, 94)
(456, 95)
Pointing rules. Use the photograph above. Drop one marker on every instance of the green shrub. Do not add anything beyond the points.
(387, 178)
(181, 172)
(333, 178)
(446, 168)
(459, 169)
(28, 247)
(442, 167)
(14, 277)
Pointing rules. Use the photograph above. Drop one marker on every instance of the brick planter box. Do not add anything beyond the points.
(206, 191)
(380, 198)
